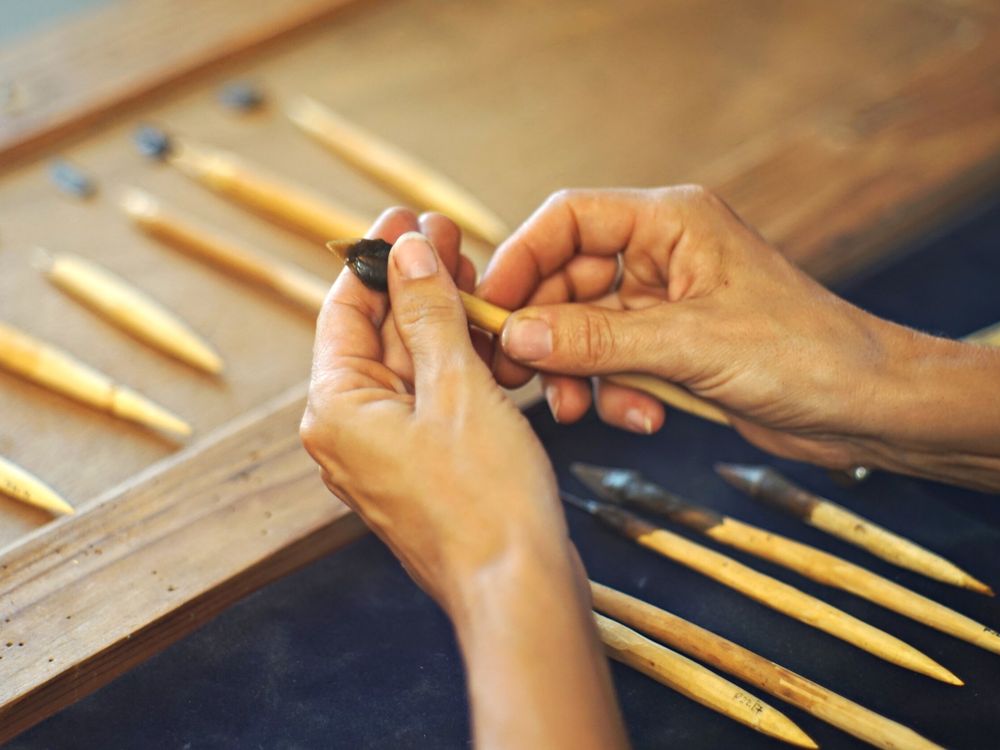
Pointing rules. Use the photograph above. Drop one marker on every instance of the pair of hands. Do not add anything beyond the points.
(411, 429)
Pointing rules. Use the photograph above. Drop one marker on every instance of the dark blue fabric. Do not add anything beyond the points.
(349, 653)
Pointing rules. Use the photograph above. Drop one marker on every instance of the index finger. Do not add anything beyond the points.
(570, 222)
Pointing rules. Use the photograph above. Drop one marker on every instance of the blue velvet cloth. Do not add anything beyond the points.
(349, 653)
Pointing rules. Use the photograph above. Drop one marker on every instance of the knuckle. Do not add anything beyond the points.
(427, 310)
(563, 196)
(594, 340)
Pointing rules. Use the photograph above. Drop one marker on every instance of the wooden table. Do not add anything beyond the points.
(841, 130)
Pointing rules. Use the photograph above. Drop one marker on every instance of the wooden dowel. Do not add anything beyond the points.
(696, 682)
(989, 336)
(766, 590)
(765, 484)
(58, 371)
(491, 318)
(295, 285)
(129, 309)
(400, 172)
(751, 668)
(628, 487)
(252, 186)
(26, 487)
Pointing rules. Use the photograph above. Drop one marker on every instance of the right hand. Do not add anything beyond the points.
(703, 302)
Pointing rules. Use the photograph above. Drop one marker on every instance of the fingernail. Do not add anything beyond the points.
(552, 396)
(637, 420)
(414, 256)
(528, 339)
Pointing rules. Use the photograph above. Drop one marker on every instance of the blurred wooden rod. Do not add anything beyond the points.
(765, 484)
(491, 318)
(21, 485)
(54, 369)
(629, 488)
(252, 186)
(295, 285)
(128, 308)
(989, 336)
(764, 589)
(751, 668)
(400, 172)
(696, 682)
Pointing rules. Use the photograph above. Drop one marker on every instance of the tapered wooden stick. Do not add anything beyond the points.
(696, 682)
(400, 172)
(491, 318)
(744, 664)
(989, 336)
(290, 282)
(765, 484)
(764, 589)
(129, 309)
(252, 186)
(21, 485)
(624, 486)
(58, 371)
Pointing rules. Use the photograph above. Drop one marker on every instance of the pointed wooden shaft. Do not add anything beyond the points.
(400, 172)
(772, 593)
(751, 668)
(989, 336)
(491, 318)
(696, 682)
(295, 285)
(26, 487)
(129, 309)
(253, 187)
(768, 486)
(58, 371)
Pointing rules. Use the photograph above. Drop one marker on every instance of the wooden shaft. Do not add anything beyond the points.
(989, 336)
(781, 597)
(768, 486)
(696, 682)
(751, 668)
(844, 524)
(290, 282)
(835, 571)
(58, 371)
(253, 187)
(395, 169)
(129, 309)
(26, 487)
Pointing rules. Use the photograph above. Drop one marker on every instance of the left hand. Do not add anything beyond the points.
(412, 432)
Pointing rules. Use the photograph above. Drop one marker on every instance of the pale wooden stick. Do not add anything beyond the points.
(628, 487)
(129, 309)
(491, 318)
(989, 336)
(766, 590)
(58, 371)
(744, 664)
(399, 171)
(765, 484)
(696, 682)
(252, 186)
(26, 487)
(284, 279)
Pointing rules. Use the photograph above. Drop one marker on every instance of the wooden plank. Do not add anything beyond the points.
(72, 75)
(81, 602)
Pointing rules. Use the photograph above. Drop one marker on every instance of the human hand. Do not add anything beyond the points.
(413, 433)
(703, 301)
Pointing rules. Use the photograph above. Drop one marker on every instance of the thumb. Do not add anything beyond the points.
(427, 309)
(582, 339)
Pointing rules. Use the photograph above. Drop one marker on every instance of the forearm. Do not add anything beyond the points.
(937, 413)
(537, 674)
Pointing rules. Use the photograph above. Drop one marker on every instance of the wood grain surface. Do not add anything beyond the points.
(840, 129)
